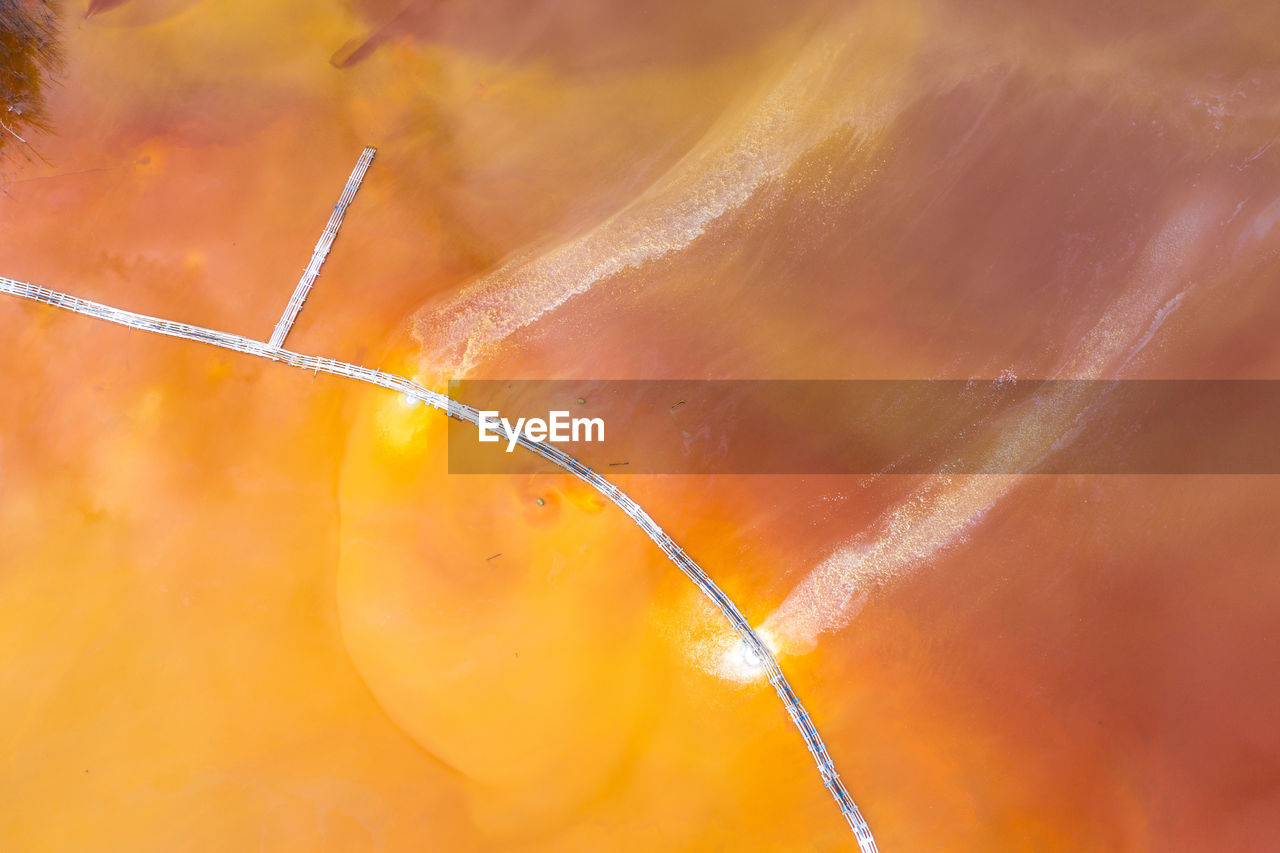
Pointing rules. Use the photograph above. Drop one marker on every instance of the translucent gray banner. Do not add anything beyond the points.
(875, 426)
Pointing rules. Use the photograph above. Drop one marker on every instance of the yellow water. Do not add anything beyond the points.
(244, 606)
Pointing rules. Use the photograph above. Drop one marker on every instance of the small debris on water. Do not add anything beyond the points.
(541, 502)
(677, 405)
(615, 464)
(582, 399)
(494, 557)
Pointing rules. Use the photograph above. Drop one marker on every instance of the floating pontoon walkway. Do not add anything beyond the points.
(322, 249)
(274, 351)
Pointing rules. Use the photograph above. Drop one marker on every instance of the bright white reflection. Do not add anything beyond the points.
(741, 663)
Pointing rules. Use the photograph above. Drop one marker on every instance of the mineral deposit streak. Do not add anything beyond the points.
(460, 411)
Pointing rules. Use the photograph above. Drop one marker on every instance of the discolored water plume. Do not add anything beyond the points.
(134, 13)
(845, 79)
(939, 514)
(578, 35)
(1075, 678)
(28, 55)
(98, 6)
(861, 75)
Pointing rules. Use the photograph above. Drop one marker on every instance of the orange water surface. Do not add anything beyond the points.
(243, 607)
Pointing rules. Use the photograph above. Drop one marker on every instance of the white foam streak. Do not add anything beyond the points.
(812, 99)
(937, 516)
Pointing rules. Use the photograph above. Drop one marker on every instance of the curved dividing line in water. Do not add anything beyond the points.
(677, 555)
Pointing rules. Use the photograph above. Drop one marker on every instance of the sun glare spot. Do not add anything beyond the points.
(743, 664)
(401, 421)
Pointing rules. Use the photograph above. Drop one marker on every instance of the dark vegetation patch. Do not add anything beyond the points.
(28, 55)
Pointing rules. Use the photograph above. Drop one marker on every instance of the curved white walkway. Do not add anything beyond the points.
(866, 843)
